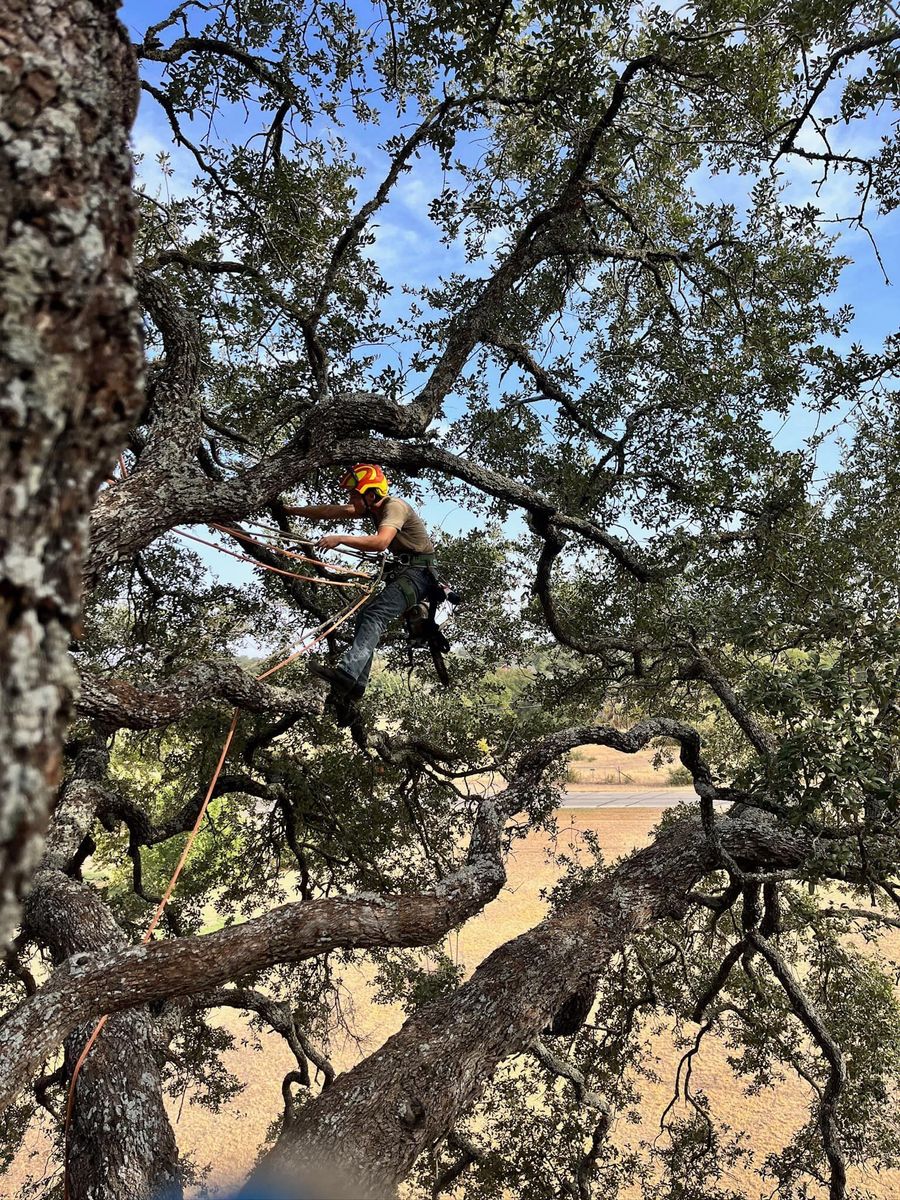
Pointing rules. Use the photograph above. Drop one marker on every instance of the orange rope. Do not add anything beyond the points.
(189, 844)
(265, 566)
(245, 537)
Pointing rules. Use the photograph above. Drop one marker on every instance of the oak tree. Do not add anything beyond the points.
(629, 289)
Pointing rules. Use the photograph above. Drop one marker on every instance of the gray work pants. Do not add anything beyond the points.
(374, 619)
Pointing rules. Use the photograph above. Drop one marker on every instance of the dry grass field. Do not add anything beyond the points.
(598, 767)
(227, 1141)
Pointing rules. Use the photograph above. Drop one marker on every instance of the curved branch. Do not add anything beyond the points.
(554, 543)
(151, 50)
(176, 425)
(378, 1118)
(278, 1016)
(468, 1153)
(557, 1065)
(760, 739)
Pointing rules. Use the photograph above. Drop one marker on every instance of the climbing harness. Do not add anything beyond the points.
(369, 583)
(422, 629)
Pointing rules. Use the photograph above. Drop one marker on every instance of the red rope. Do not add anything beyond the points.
(192, 836)
(343, 616)
(245, 537)
(265, 566)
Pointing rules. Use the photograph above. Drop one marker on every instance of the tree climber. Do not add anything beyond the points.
(409, 573)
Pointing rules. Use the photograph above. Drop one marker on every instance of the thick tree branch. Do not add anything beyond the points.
(120, 704)
(380, 1116)
(175, 422)
(87, 985)
(71, 920)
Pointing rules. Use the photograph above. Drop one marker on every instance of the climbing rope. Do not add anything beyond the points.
(245, 537)
(311, 640)
(267, 566)
(283, 535)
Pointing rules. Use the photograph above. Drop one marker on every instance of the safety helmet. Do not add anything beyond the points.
(365, 477)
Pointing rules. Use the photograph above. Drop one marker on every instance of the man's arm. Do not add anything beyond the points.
(359, 541)
(321, 512)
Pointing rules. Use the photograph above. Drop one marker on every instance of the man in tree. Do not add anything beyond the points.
(399, 529)
(594, 342)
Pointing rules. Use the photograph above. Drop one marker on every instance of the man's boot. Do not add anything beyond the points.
(339, 679)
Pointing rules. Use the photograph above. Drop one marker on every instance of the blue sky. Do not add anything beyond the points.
(406, 250)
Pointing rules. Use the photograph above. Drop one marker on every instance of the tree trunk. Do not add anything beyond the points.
(121, 1144)
(70, 372)
(374, 1121)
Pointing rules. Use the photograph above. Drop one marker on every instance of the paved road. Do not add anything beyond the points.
(664, 797)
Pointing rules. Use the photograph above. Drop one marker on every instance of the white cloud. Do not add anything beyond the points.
(401, 249)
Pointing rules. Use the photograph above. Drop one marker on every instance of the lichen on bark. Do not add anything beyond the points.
(70, 372)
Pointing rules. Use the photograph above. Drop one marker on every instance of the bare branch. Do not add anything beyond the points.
(861, 914)
(760, 739)
(815, 1026)
(557, 1065)
(859, 46)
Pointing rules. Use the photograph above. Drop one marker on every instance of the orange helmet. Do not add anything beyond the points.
(365, 477)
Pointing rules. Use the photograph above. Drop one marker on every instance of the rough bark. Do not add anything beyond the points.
(70, 372)
(112, 980)
(375, 1121)
(153, 495)
(117, 703)
(121, 1144)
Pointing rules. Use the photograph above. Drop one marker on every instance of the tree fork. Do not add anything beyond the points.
(375, 1120)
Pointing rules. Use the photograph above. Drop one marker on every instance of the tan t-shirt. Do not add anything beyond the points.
(412, 536)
